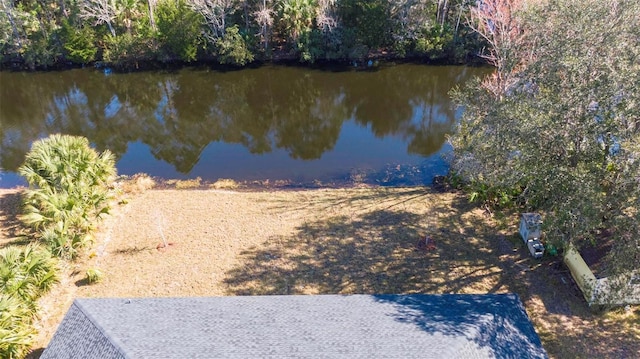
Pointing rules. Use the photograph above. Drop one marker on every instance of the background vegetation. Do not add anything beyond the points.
(129, 32)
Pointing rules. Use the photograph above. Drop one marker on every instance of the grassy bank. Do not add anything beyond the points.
(366, 240)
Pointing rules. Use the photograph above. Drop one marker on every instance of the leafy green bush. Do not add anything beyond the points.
(78, 43)
(69, 190)
(309, 45)
(434, 41)
(296, 16)
(370, 19)
(233, 48)
(30, 37)
(6, 38)
(127, 49)
(179, 30)
(341, 43)
(25, 275)
(493, 196)
(40, 51)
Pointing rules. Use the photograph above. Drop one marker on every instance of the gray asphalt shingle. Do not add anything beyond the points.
(321, 326)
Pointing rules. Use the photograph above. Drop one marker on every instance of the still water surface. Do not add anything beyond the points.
(387, 126)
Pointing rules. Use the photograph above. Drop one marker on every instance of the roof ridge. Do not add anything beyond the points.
(112, 339)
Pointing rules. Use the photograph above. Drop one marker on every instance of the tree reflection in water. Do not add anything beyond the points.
(177, 115)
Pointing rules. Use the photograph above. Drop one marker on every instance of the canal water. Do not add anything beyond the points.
(300, 126)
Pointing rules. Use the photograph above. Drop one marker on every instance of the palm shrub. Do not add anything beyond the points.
(16, 331)
(68, 191)
(94, 275)
(25, 275)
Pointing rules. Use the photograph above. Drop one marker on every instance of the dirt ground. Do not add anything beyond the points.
(367, 240)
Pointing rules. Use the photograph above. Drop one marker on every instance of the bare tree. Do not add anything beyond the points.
(101, 11)
(497, 22)
(264, 18)
(326, 17)
(215, 13)
(160, 224)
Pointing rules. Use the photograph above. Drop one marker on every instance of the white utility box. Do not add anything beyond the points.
(530, 232)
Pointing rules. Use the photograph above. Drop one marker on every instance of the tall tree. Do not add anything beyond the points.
(179, 29)
(564, 130)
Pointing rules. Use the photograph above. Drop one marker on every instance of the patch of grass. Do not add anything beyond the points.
(135, 184)
(505, 219)
(224, 183)
(628, 317)
(369, 242)
(187, 184)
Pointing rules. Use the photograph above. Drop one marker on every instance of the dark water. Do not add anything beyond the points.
(386, 126)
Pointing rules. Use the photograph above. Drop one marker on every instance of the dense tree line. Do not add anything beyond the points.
(128, 32)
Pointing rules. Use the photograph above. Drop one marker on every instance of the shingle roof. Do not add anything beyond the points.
(322, 326)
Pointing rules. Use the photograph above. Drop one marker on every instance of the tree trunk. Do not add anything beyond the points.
(152, 19)
(439, 10)
(455, 34)
(113, 32)
(246, 15)
(445, 11)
